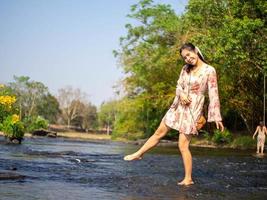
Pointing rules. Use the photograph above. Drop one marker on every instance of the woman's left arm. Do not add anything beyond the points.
(214, 113)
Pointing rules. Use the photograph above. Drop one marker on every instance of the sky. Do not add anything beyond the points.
(66, 42)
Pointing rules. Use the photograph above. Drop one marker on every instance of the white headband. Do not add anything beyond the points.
(199, 52)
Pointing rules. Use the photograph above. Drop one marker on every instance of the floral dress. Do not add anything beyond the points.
(261, 136)
(184, 117)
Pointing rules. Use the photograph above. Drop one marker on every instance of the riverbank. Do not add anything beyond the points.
(85, 136)
(169, 143)
(239, 142)
(75, 135)
(196, 141)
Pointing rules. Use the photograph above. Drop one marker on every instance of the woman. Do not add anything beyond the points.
(195, 78)
(261, 130)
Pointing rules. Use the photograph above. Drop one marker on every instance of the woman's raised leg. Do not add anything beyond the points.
(184, 141)
(161, 131)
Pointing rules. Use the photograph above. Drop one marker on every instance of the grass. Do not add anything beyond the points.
(244, 142)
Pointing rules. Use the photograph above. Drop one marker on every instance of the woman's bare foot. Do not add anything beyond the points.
(185, 182)
(134, 156)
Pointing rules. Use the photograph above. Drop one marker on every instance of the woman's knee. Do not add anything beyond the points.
(183, 143)
(183, 147)
(161, 131)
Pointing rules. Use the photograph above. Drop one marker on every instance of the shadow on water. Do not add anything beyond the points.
(68, 169)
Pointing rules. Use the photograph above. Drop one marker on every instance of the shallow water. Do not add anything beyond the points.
(69, 169)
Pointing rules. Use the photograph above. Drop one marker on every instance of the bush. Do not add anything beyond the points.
(12, 127)
(244, 142)
(7, 102)
(222, 137)
(35, 123)
(206, 135)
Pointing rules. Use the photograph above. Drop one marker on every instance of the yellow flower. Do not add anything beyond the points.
(15, 118)
(7, 100)
(2, 85)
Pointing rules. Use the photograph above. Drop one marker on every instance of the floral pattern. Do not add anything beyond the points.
(184, 117)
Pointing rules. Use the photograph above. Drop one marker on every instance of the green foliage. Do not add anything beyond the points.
(107, 114)
(11, 128)
(244, 142)
(10, 123)
(48, 108)
(7, 101)
(29, 94)
(232, 36)
(129, 122)
(149, 59)
(33, 99)
(207, 136)
(222, 137)
(35, 122)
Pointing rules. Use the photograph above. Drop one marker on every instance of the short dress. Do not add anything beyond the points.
(184, 117)
(261, 136)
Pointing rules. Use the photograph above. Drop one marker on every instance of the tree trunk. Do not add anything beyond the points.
(68, 123)
(245, 121)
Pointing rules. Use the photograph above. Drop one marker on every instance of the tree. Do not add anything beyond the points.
(72, 102)
(107, 115)
(148, 58)
(87, 116)
(29, 94)
(232, 35)
(49, 108)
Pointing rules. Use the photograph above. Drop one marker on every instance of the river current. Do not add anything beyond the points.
(58, 168)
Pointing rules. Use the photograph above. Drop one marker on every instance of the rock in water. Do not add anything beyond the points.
(6, 175)
(43, 132)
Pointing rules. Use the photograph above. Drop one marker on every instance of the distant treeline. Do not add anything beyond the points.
(37, 107)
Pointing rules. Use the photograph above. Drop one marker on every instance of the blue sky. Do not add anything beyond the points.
(66, 42)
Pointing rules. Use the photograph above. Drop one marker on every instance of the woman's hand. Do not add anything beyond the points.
(185, 100)
(219, 125)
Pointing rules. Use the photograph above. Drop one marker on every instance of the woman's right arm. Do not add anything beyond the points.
(180, 84)
(179, 89)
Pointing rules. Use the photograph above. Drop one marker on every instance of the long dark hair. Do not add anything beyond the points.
(261, 124)
(191, 47)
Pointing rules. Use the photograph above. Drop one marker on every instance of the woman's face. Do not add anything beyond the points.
(190, 57)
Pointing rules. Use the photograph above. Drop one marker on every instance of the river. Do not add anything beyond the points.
(58, 168)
